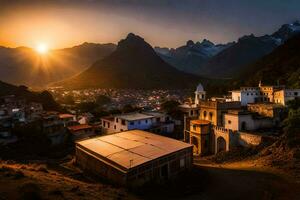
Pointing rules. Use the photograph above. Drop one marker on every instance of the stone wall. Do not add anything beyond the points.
(248, 139)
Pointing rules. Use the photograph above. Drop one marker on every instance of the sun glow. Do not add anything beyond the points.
(42, 48)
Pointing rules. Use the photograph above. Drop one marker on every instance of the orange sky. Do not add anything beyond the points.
(65, 23)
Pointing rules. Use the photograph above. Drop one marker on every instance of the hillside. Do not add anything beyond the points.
(134, 64)
(248, 49)
(282, 65)
(42, 97)
(23, 65)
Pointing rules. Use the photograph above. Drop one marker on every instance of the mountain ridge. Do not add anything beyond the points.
(133, 54)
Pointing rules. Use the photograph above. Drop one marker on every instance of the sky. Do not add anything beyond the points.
(165, 23)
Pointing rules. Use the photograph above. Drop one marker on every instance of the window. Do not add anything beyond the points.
(157, 119)
(123, 122)
(204, 114)
(229, 122)
(108, 125)
(296, 93)
(210, 115)
(117, 120)
(131, 123)
(115, 127)
(182, 163)
(192, 112)
(146, 121)
(104, 123)
(194, 127)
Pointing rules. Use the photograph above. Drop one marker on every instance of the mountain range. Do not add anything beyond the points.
(134, 64)
(25, 66)
(226, 61)
(190, 57)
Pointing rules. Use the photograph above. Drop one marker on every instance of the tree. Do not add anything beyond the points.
(129, 108)
(68, 100)
(170, 106)
(102, 100)
(292, 124)
(87, 106)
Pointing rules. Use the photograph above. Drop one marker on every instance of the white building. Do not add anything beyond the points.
(152, 121)
(238, 120)
(273, 94)
(285, 95)
(192, 110)
(200, 94)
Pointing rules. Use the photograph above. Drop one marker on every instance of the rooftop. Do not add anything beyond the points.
(131, 148)
(134, 116)
(79, 127)
(63, 116)
(200, 122)
(188, 106)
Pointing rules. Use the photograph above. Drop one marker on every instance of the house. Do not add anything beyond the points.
(132, 158)
(241, 120)
(285, 95)
(81, 131)
(68, 119)
(53, 127)
(85, 118)
(152, 121)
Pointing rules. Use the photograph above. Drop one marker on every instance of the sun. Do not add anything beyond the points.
(42, 48)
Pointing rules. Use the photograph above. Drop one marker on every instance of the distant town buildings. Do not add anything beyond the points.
(16, 112)
(262, 93)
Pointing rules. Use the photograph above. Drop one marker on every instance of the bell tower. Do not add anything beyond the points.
(200, 94)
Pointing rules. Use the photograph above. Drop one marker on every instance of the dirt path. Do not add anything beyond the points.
(244, 180)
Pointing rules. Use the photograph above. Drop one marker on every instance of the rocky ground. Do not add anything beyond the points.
(60, 179)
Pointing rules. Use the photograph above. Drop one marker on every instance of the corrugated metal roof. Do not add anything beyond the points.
(132, 148)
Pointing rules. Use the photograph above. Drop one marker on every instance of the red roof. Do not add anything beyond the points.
(65, 116)
(79, 127)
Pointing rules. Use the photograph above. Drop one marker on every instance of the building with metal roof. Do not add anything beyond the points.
(134, 157)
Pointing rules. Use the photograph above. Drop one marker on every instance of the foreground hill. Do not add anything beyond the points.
(281, 66)
(24, 66)
(44, 97)
(134, 64)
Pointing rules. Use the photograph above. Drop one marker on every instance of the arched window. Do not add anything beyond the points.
(210, 115)
(204, 114)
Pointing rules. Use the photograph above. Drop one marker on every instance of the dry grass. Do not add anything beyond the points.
(37, 181)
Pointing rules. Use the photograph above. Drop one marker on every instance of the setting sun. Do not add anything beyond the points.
(42, 48)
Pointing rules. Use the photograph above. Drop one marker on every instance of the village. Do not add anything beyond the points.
(131, 149)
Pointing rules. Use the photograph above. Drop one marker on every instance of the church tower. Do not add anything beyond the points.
(200, 94)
